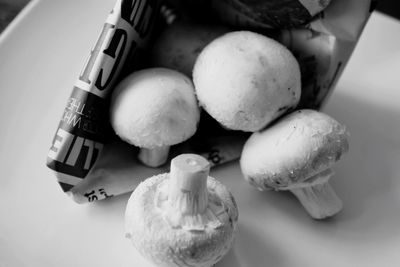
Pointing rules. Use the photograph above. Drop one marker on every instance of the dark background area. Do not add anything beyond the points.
(10, 8)
(389, 7)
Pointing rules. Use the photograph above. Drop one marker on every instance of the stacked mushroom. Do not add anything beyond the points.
(247, 81)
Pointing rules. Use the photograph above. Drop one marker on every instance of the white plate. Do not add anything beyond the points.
(41, 55)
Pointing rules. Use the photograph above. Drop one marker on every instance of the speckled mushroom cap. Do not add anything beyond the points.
(154, 107)
(245, 80)
(164, 245)
(299, 146)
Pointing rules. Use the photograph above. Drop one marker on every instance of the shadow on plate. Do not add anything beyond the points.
(252, 249)
(368, 178)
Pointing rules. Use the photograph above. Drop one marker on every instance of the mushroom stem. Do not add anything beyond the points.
(319, 200)
(187, 192)
(154, 157)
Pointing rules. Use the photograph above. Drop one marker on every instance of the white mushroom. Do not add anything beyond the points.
(154, 109)
(245, 80)
(182, 218)
(297, 154)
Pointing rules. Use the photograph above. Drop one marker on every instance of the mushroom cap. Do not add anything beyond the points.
(299, 146)
(245, 80)
(154, 107)
(164, 245)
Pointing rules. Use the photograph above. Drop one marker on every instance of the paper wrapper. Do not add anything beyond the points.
(84, 127)
(90, 162)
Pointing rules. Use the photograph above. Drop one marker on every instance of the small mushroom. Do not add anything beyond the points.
(297, 154)
(154, 109)
(182, 218)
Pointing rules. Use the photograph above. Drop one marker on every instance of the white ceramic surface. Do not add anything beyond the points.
(41, 54)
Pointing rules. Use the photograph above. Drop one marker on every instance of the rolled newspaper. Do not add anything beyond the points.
(84, 126)
(91, 164)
